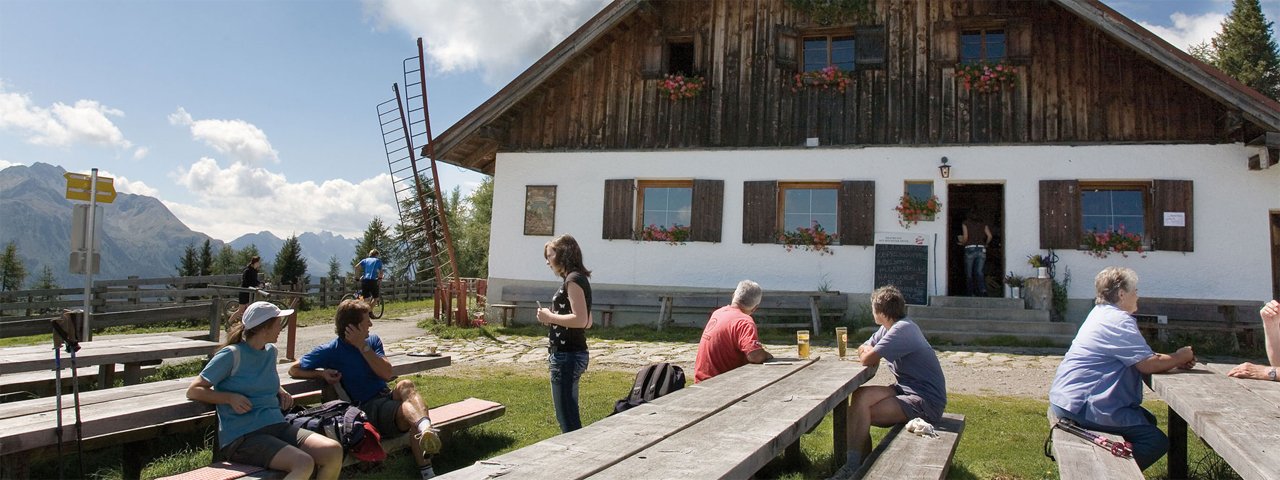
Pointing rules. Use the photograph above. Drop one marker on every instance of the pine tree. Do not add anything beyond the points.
(225, 262)
(376, 235)
(290, 267)
(1246, 49)
(12, 271)
(206, 258)
(46, 280)
(243, 256)
(472, 241)
(335, 269)
(189, 264)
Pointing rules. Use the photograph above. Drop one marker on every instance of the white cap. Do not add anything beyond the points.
(260, 312)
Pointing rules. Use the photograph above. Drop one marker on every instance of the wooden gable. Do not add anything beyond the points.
(1075, 83)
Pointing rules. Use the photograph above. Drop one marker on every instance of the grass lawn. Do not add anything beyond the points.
(1003, 436)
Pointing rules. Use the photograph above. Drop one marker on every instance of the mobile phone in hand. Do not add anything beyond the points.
(539, 304)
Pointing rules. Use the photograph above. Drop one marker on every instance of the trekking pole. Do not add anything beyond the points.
(1119, 449)
(73, 345)
(57, 392)
(75, 388)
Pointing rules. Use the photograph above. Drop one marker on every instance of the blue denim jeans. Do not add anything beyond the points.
(975, 261)
(1149, 443)
(566, 369)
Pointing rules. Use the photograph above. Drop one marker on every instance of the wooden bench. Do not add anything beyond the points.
(447, 418)
(605, 302)
(1234, 317)
(1080, 460)
(26, 385)
(774, 304)
(902, 455)
(137, 413)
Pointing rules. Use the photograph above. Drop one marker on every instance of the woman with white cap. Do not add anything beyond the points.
(241, 380)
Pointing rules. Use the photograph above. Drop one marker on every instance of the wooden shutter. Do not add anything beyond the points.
(787, 46)
(619, 203)
(1171, 196)
(707, 213)
(1017, 38)
(946, 43)
(1060, 214)
(760, 212)
(869, 42)
(653, 65)
(857, 207)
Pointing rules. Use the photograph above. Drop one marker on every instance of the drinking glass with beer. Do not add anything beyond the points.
(842, 340)
(802, 342)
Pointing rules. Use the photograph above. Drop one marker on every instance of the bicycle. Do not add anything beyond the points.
(376, 306)
(231, 307)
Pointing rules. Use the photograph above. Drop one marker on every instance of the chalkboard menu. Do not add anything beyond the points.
(905, 267)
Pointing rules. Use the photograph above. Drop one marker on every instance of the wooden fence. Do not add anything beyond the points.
(140, 301)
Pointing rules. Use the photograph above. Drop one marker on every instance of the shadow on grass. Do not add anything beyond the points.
(465, 447)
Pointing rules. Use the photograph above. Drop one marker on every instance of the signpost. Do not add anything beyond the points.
(93, 189)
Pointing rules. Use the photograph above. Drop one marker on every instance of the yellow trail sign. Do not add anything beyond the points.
(78, 187)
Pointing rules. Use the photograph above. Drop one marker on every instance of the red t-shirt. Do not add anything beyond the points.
(726, 340)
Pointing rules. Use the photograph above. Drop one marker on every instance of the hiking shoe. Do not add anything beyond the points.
(430, 441)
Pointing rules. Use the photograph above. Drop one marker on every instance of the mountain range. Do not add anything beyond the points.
(140, 235)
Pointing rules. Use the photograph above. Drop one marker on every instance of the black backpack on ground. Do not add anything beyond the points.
(336, 419)
(652, 381)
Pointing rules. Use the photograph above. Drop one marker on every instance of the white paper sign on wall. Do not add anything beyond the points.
(1175, 219)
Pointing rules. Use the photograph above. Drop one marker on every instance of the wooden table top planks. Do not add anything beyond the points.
(1239, 418)
(618, 438)
(31, 424)
(102, 352)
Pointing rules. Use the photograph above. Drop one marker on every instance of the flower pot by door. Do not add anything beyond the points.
(1042, 272)
(1015, 292)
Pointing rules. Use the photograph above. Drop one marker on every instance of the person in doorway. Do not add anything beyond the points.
(730, 339)
(975, 235)
(241, 381)
(1270, 314)
(1099, 382)
(356, 359)
(920, 390)
(248, 279)
(567, 322)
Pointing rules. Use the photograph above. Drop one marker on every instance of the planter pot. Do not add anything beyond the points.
(1042, 272)
(1015, 292)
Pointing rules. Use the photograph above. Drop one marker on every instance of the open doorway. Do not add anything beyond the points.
(1275, 254)
(986, 200)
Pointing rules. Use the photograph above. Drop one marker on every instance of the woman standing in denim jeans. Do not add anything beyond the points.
(567, 321)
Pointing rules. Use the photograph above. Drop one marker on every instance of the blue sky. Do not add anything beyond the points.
(250, 115)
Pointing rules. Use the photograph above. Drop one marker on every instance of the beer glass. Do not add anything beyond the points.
(802, 342)
(842, 340)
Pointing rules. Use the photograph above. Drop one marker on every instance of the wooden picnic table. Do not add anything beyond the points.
(784, 300)
(1239, 419)
(30, 424)
(133, 352)
(726, 427)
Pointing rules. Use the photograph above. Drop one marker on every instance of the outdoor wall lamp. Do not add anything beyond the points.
(944, 169)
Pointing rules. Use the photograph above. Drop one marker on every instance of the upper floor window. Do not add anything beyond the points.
(1108, 207)
(828, 50)
(680, 57)
(665, 203)
(982, 45)
(807, 204)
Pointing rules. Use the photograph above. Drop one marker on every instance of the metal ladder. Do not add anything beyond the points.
(424, 231)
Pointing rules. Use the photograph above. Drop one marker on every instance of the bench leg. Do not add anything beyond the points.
(1177, 445)
(840, 432)
(106, 375)
(134, 456)
(608, 319)
(793, 453)
(132, 373)
(508, 316)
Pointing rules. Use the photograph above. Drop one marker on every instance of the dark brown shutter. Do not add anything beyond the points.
(870, 46)
(1171, 196)
(946, 43)
(1018, 41)
(857, 207)
(1060, 214)
(653, 65)
(760, 212)
(787, 47)
(619, 201)
(707, 213)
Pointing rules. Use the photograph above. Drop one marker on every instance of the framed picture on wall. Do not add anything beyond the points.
(540, 210)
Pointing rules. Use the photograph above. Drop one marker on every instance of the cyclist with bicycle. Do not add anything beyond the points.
(370, 276)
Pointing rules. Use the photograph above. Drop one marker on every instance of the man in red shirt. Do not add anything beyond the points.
(730, 340)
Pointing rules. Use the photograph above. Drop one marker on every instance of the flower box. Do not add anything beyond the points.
(675, 235)
(814, 239)
(912, 210)
(678, 86)
(984, 77)
(1103, 244)
(829, 77)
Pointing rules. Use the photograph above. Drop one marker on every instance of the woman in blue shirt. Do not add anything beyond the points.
(1099, 382)
(241, 380)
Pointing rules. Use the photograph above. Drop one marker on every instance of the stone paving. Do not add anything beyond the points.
(1024, 372)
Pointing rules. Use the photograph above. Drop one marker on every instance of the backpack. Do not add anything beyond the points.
(652, 381)
(336, 419)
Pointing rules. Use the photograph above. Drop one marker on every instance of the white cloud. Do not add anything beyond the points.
(498, 37)
(239, 199)
(140, 153)
(244, 142)
(6, 164)
(1188, 30)
(60, 125)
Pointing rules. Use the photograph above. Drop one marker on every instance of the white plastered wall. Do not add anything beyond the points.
(1232, 238)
